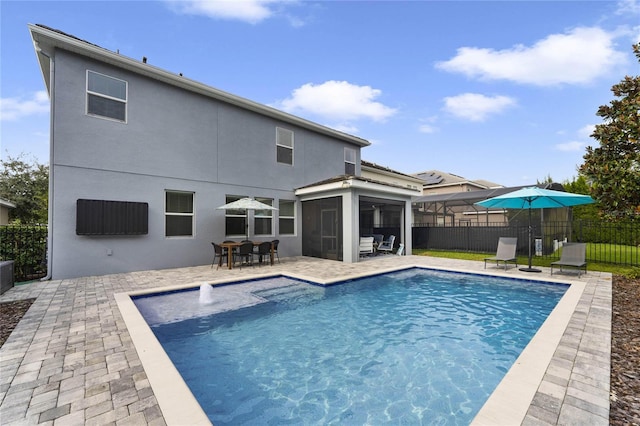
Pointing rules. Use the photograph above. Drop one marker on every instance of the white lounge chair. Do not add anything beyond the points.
(366, 246)
(387, 246)
(506, 252)
(573, 254)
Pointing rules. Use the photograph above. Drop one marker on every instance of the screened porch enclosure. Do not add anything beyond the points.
(381, 216)
(322, 228)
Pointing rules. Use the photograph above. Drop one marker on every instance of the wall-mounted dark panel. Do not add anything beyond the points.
(101, 217)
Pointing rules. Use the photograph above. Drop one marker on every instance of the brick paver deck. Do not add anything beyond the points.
(71, 360)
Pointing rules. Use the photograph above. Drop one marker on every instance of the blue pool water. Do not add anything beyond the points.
(410, 347)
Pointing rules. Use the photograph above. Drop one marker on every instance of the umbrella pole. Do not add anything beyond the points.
(530, 269)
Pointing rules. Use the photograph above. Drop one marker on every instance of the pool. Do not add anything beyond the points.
(415, 346)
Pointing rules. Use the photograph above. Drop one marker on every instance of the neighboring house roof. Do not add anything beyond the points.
(386, 170)
(471, 197)
(439, 179)
(8, 204)
(488, 183)
(46, 39)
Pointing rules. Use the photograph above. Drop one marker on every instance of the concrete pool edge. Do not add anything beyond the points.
(508, 404)
(510, 401)
(177, 403)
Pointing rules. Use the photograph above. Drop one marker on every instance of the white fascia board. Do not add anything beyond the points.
(326, 187)
(376, 187)
(6, 203)
(351, 184)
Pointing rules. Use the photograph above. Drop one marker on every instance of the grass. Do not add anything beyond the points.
(628, 271)
(614, 253)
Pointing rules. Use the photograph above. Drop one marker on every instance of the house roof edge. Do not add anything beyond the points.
(45, 39)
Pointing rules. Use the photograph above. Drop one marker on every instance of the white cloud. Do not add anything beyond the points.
(586, 131)
(427, 125)
(12, 109)
(345, 128)
(583, 134)
(572, 146)
(426, 128)
(576, 57)
(337, 100)
(251, 11)
(628, 7)
(476, 107)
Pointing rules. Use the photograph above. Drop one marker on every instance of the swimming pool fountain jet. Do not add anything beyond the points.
(206, 294)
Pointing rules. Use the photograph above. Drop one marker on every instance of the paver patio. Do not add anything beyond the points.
(71, 360)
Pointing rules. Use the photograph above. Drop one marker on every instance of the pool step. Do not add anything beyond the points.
(284, 293)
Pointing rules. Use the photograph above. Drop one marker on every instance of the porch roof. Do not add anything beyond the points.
(347, 182)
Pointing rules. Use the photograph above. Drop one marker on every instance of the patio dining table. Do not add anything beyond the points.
(232, 245)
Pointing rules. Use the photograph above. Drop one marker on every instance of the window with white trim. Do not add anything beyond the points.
(179, 214)
(263, 219)
(106, 96)
(349, 161)
(235, 221)
(287, 217)
(284, 146)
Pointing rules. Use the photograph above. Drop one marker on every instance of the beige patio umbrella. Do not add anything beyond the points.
(246, 204)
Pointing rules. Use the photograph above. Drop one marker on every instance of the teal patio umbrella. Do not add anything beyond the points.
(535, 198)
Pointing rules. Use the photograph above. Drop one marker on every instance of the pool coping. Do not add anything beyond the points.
(71, 359)
(508, 404)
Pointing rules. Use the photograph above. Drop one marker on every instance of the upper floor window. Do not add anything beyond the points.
(179, 214)
(106, 96)
(349, 161)
(287, 217)
(284, 146)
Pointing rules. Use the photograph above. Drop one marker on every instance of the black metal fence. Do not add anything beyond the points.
(608, 242)
(26, 245)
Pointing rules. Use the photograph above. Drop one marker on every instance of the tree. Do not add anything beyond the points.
(25, 184)
(613, 168)
(580, 185)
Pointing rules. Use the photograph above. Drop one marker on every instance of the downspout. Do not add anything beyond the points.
(50, 204)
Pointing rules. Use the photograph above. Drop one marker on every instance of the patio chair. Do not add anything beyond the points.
(219, 253)
(275, 249)
(244, 253)
(573, 254)
(263, 251)
(387, 246)
(506, 252)
(366, 246)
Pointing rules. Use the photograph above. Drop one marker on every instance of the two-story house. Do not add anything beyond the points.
(141, 158)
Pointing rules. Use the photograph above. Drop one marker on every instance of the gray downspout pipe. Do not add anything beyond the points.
(50, 204)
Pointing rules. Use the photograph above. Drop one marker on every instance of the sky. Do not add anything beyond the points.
(504, 91)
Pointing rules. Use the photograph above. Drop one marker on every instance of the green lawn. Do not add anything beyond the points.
(536, 261)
